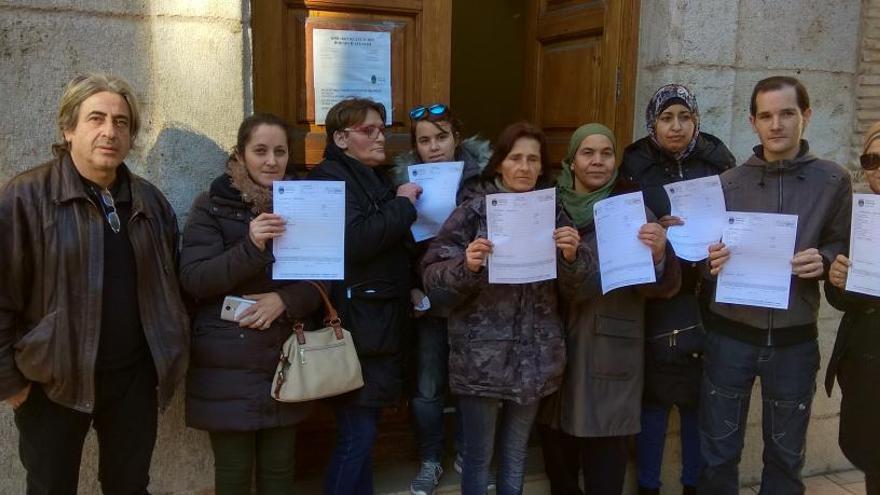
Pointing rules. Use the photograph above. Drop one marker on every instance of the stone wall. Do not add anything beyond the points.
(868, 82)
(189, 62)
(720, 48)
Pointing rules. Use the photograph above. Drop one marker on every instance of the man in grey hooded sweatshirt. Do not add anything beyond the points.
(777, 345)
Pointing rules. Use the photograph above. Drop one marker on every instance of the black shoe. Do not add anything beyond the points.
(689, 490)
(648, 491)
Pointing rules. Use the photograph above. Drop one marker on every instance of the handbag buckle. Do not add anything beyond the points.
(300, 336)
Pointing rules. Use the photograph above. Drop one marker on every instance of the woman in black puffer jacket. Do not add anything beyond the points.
(373, 300)
(227, 251)
(675, 150)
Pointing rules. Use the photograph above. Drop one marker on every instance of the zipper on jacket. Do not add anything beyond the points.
(780, 169)
(302, 350)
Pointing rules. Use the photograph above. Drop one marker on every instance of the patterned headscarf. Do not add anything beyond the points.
(665, 97)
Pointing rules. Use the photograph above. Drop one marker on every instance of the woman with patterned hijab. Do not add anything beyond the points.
(674, 150)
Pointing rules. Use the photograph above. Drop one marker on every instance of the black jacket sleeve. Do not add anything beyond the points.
(16, 262)
(206, 268)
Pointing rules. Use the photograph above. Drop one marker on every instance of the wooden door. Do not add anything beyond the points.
(581, 67)
(282, 40)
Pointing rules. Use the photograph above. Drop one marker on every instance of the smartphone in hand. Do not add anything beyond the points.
(233, 307)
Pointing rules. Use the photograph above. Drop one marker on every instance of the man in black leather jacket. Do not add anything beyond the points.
(93, 332)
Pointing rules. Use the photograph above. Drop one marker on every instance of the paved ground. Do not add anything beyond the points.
(842, 483)
(395, 480)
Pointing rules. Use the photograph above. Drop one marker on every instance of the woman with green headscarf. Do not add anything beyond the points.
(584, 426)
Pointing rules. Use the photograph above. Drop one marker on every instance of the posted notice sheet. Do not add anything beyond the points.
(758, 272)
(864, 273)
(520, 226)
(313, 244)
(700, 204)
(623, 259)
(351, 63)
(439, 183)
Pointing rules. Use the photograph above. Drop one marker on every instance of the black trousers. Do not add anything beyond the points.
(51, 436)
(602, 460)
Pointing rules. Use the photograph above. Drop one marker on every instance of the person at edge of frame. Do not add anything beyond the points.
(93, 331)
(855, 362)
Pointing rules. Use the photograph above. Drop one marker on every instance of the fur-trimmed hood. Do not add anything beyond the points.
(473, 151)
(237, 184)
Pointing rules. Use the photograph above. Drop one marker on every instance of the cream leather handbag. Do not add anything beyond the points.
(318, 364)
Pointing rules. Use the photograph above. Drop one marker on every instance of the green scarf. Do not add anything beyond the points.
(579, 205)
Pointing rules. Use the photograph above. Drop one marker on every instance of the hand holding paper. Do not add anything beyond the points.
(839, 271)
(567, 240)
(266, 226)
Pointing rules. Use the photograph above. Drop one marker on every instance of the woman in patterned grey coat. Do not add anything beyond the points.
(506, 344)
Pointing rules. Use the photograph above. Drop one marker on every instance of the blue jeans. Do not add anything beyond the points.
(351, 467)
(652, 440)
(432, 355)
(788, 383)
(479, 418)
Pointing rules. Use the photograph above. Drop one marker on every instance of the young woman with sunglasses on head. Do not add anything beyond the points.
(674, 150)
(855, 361)
(505, 341)
(436, 137)
(373, 299)
(227, 252)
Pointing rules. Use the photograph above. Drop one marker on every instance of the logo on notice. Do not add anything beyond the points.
(280, 190)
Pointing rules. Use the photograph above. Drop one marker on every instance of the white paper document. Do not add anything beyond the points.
(351, 63)
(520, 227)
(864, 273)
(623, 259)
(758, 272)
(313, 244)
(700, 204)
(439, 183)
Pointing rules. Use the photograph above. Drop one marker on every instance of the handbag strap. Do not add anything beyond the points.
(331, 319)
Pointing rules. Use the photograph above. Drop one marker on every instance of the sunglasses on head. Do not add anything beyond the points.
(870, 161)
(435, 110)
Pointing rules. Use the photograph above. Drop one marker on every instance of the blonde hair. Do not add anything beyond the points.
(79, 89)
